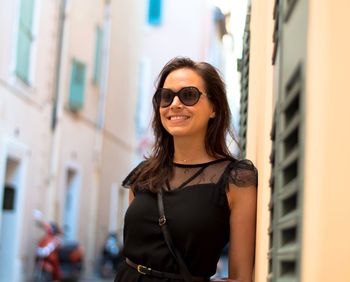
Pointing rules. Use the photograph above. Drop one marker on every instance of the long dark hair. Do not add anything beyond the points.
(151, 175)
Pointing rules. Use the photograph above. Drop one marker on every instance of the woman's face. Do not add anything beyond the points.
(181, 120)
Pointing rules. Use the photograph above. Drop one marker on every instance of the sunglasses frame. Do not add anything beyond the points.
(158, 97)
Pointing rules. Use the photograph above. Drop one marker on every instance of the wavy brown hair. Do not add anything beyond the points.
(152, 173)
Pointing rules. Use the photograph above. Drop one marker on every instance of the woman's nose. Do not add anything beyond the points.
(176, 103)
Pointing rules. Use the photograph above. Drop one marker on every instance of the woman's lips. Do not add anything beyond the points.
(178, 117)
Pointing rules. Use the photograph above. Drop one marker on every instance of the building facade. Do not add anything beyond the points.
(76, 81)
(67, 136)
(295, 114)
(27, 79)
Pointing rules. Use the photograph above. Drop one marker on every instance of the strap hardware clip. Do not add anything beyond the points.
(162, 220)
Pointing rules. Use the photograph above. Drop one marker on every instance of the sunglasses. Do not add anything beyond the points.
(189, 96)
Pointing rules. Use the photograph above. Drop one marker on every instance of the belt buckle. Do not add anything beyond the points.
(141, 269)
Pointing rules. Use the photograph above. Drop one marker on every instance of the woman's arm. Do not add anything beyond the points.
(242, 201)
(131, 196)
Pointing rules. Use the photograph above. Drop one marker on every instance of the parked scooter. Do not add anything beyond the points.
(110, 256)
(55, 261)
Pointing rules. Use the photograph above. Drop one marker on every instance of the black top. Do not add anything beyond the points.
(197, 213)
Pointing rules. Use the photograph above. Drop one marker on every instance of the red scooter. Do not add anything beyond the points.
(55, 261)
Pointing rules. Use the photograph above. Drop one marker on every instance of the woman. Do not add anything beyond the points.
(209, 196)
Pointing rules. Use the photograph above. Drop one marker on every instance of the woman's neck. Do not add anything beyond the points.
(190, 151)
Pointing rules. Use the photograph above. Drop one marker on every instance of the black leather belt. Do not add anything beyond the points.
(144, 270)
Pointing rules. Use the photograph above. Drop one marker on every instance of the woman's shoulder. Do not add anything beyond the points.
(241, 173)
(129, 179)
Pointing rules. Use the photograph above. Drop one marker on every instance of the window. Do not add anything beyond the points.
(9, 198)
(77, 86)
(155, 12)
(24, 40)
(98, 56)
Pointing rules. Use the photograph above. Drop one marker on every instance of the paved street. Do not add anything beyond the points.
(95, 278)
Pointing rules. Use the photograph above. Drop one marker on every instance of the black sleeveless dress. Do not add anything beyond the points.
(197, 214)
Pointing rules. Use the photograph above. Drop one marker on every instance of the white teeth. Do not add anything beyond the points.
(178, 117)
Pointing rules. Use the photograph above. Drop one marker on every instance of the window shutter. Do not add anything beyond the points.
(155, 12)
(24, 40)
(27, 8)
(98, 56)
(286, 183)
(244, 70)
(276, 30)
(77, 86)
(287, 156)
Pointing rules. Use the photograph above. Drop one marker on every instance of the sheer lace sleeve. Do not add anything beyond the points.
(130, 178)
(243, 173)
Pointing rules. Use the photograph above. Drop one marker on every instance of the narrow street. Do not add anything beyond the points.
(95, 278)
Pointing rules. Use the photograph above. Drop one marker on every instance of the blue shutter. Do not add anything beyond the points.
(77, 86)
(155, 12)
(24, 40)
(98, 55)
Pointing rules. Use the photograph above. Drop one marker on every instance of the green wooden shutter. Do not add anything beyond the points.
(25, 39)
(98, 56)
(287, 134)
(286, 183)
(244, 69)
(77, 86)
(276, 29)
(154, 12)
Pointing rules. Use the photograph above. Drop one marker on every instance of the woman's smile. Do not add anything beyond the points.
(178, 117)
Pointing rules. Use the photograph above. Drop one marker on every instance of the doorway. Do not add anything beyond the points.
(10, 217)
(71, 204)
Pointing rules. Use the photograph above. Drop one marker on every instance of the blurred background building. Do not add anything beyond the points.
(76, 82)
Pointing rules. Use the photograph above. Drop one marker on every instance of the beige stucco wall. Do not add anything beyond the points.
(119, 135)
(76, 134)
(260, 120)
(25, 116)
(326, 231)
(102, 156)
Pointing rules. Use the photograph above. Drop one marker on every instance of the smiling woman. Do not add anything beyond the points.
(191, 196)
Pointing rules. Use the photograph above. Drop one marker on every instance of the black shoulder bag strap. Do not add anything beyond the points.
(176, 254)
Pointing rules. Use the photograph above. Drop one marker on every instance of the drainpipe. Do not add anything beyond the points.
(63, 4)
(52, 208)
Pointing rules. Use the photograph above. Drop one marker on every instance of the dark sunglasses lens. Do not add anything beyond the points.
(166, 96)
(189, 96)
